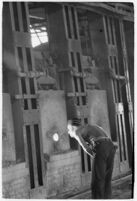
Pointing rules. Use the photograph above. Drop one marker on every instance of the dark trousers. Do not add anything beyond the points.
(102, 170)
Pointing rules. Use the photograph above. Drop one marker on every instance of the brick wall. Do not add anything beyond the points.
(63, 174)
(15, 181)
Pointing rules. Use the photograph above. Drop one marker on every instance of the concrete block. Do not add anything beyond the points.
(65, 155)
(8, 142)
(39, 193)
(14, 172)
(16, 188)
(57, 164)
(63, 175)
(53, 119)
(98, 109)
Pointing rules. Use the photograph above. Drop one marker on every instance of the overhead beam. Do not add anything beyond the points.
(105, 8)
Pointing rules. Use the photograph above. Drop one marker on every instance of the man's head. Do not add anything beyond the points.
(73, 126)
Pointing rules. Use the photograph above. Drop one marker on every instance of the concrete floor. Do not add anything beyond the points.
(121, 189)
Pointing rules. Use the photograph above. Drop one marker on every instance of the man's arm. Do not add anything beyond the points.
(83, 144)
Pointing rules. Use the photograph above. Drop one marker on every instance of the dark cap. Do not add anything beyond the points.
(76, 122)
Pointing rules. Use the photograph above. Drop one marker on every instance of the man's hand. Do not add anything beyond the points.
(92, 142)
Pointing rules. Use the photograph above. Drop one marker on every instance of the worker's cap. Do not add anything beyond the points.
(76, 121)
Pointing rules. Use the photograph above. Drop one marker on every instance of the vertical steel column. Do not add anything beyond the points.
(27, 93)
(78, 83)
(110, 34)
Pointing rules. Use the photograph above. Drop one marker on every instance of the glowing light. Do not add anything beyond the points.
(37, 41)
(56, 137)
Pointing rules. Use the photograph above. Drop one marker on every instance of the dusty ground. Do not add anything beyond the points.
(121, 189)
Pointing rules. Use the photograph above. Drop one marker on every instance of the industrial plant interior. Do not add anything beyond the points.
(60, 60)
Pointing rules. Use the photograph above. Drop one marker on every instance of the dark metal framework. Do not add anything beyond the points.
(27, 93)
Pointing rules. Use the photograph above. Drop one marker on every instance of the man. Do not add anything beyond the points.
(97, 144)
